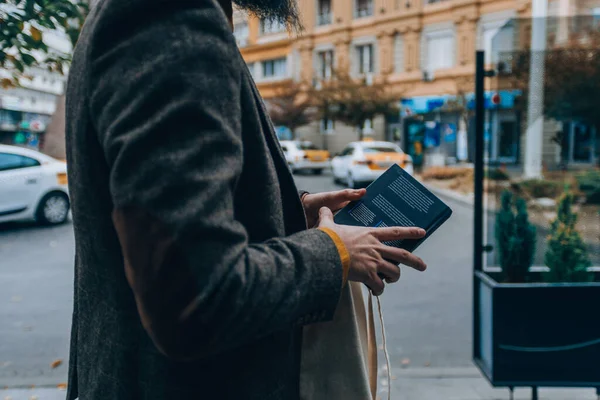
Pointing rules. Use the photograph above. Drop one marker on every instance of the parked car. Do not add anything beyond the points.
(33, 186)
(305, 156)
(362, 162)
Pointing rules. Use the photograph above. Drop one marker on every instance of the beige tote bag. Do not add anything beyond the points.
(339, 357)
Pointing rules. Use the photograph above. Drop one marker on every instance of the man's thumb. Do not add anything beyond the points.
(325, 216)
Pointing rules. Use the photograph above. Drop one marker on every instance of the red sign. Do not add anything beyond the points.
(496, 99)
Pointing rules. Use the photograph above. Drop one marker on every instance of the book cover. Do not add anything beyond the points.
(397, 199)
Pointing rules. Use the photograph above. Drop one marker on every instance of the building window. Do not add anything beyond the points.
(327, 126)
(578, 143)
(274, 68)
(363, 8)
(325, 64)
(240, 31)
(496, 39)
(364, 59)
(398, 53)
(323, 12)
(251, 68)
(271, 26)
(488, 33)
(368, 127)
(439, 50)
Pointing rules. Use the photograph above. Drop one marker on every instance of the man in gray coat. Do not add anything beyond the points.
(194, 267)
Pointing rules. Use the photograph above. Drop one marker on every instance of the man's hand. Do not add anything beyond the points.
(369, 257)
(335, 201)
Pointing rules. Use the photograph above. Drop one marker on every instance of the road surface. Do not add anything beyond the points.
(427, 315)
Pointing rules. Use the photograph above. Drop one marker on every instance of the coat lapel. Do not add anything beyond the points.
(291, 200)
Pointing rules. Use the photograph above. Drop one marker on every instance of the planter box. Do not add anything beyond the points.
(538, 335)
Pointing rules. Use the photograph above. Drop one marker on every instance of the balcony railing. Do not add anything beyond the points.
(324, 19)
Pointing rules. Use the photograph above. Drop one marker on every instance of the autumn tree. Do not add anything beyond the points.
(23, 24)
(291, 107)
(571, 79)
(353, 101)
(459, 103)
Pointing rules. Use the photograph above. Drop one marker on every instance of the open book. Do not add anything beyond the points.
(397, 199)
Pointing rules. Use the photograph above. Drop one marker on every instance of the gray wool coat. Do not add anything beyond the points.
(194, 270)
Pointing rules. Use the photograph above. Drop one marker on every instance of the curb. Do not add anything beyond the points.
(467, 200)
(437, 373)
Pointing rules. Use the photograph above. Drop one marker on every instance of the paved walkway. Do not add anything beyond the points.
(466, 384)
(407, 384)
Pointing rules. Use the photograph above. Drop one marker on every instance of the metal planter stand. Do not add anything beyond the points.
(531, 334)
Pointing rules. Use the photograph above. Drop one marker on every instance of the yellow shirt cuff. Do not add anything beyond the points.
(343, 252)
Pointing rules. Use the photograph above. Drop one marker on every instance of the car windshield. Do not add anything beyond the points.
(307, 146)
(380, 149)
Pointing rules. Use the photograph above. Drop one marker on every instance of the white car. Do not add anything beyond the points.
(362, 162)
(33, 186)
(305, 156)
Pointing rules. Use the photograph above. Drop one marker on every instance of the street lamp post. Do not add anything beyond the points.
(535, 110)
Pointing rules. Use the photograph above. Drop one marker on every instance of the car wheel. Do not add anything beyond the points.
(53, 209)
(317, 171)
(350, 182)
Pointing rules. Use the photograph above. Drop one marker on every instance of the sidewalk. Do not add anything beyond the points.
(407, 384)
(465, 384)
(33, 394)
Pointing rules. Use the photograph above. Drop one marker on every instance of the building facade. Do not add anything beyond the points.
(27, 111)
(425, 51)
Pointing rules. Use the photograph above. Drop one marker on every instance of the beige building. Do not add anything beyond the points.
(425, 49)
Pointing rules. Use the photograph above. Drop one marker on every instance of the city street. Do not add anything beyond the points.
(428, 315)
(36, 278)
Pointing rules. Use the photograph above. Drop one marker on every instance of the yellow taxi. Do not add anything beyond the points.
(362, 162)
(305, 156)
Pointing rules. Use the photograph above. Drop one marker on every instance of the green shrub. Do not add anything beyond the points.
(589, 185)
(538, 188)
(497, 174)
(566, 253)
(515, 238)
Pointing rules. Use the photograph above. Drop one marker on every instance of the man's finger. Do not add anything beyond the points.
(376, 285)
(347, 195)
(397, 233)
(389, 271)
(325, 214)
(339, 206)
(401, 256)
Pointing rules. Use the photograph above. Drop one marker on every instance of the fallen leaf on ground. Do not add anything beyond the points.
(34, 397)
(405, 362)
(427, 364)
(8, 398)
(393, 377)
(62, 386)
(56, 363)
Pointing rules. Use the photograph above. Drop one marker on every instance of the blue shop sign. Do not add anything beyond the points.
(449, 131)
(432, 134)
(283, 133)
(428, 104)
